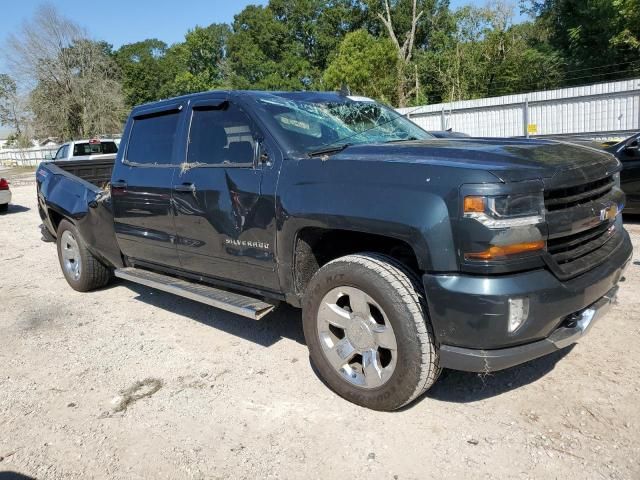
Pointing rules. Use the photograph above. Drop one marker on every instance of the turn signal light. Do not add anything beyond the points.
(496, 252)
(474, 204)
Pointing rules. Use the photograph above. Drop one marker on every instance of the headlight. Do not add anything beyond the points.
(511, 226)
(505, 211)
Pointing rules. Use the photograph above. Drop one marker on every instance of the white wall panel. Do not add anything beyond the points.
(605, 107)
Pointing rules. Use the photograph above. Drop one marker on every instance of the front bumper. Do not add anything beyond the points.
(471, 360)
(470, 313)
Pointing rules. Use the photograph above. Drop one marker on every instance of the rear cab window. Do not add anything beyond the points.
(152, 138)
(94, 148)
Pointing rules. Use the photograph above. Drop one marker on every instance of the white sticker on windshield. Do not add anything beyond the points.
(357, 98)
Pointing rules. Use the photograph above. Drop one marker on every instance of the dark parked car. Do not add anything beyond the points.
(628, 152)
(406, 254)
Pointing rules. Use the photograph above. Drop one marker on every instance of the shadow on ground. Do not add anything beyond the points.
(465, 387)
(13, 208)
(285, 322)
(14, 476)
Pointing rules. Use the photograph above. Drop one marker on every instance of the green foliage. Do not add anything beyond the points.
(143, 69)
(366, 64)
(151, 70)
(592, 33)
(197, 64)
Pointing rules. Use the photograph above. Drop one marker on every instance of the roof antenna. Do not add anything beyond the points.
(345, 91)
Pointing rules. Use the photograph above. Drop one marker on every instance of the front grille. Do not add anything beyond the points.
(568, 249)
(580, 237)
(567, 197)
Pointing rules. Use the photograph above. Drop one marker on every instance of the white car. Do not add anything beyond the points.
(5, 195)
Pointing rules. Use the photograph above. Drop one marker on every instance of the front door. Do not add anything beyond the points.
(225, 225)
(142, 188)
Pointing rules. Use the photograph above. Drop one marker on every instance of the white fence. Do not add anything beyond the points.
(598, 111)
(26, 157)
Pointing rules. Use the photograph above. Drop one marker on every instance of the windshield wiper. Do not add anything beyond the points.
(328, 150)
(408, 139)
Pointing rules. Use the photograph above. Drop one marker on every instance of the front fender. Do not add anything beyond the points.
(412, 203)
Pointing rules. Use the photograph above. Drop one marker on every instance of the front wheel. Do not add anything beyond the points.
(369, 337)
(82, 270)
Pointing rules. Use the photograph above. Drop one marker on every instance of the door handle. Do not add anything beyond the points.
(185, 187)
(119, 184)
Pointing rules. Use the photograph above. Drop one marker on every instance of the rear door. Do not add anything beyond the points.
(225, 222)
(141, 186)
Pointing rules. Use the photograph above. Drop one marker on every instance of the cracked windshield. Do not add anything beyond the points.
(326, 127)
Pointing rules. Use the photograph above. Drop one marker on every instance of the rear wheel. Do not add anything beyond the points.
(82, 270)
(366, 326)
(4, 207)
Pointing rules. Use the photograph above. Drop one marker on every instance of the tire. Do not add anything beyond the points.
(377, 376)
(83, 271)
(4, 208)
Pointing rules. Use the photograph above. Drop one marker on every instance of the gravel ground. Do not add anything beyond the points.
(129, 383)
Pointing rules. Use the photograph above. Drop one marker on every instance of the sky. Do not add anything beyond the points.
(127, 21)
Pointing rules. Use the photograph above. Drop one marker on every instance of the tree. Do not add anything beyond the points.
(287, 45)
(75, 87)
(12, 108)
(264, 53)
(586, 33)
(365, 64)
(489, 55)
(197, 64)
(143, 70)
(404, 51)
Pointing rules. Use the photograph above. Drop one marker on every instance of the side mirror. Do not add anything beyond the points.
(632, 149)
(263, 156)
(48, 156)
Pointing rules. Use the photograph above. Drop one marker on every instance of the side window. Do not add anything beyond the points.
(152, 138)
(61, 153)
(221, 136)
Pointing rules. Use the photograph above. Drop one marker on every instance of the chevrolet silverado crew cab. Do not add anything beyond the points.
(406, 253)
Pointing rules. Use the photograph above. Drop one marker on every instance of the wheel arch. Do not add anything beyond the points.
(316, 246)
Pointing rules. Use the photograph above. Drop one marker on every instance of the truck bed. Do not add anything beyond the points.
(77, 190)
(96, 171)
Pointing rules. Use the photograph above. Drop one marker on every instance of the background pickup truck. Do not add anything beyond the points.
(407, 254)
(89, 159)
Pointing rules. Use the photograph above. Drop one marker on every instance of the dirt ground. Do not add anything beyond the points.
(128, 383)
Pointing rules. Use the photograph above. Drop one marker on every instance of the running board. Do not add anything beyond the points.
(231, 302)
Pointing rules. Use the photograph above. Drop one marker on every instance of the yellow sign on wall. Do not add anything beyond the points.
(532, 128)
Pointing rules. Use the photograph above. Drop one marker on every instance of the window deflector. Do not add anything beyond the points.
(157, 111)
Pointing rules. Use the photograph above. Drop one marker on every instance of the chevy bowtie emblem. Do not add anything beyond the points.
(609, 213)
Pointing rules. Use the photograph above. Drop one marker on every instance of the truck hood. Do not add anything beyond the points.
(508, 159)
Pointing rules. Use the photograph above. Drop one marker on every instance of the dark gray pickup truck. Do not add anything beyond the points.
(406, 253)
